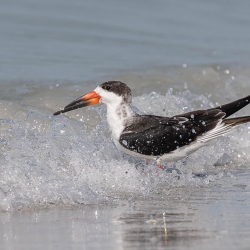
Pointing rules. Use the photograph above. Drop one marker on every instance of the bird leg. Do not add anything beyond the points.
(159, 164)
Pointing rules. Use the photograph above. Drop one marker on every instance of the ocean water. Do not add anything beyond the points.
(62, 180)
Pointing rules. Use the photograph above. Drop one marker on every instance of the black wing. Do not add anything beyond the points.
(155, 135)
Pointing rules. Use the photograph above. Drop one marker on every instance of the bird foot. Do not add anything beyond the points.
(159, 166)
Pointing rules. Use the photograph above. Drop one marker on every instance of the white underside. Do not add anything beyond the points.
(175, 155)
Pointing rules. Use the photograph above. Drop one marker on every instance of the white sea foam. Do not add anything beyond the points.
(48, 160)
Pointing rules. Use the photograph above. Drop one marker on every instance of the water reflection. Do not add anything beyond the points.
(159, 229)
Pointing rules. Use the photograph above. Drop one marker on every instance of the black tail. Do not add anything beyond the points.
(233, 107)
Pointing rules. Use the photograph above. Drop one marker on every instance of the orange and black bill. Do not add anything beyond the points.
(86, 100)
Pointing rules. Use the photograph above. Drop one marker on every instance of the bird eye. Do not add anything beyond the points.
(107, 87)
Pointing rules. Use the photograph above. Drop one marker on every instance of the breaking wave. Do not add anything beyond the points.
(71, 160)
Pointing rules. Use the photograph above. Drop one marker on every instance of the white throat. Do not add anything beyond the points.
(117, 115)
(118, 111)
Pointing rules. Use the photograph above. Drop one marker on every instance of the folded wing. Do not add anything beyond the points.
(155, 135)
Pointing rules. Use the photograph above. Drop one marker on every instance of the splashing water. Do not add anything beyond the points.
(49, 161)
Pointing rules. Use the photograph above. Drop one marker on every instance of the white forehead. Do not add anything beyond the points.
(108, 96)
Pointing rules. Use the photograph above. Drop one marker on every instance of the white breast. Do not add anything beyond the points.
(117, 116)
(118, 111)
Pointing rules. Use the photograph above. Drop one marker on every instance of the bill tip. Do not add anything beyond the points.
(58, 112)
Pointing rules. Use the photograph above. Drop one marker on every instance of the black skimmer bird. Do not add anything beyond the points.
(156, 137)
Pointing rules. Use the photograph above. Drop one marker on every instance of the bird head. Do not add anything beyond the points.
(110, 93)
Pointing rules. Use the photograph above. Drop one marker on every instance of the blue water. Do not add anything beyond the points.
(85, 40)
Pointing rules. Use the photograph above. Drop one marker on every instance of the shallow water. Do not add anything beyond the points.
(187, 218)
(63, 183)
